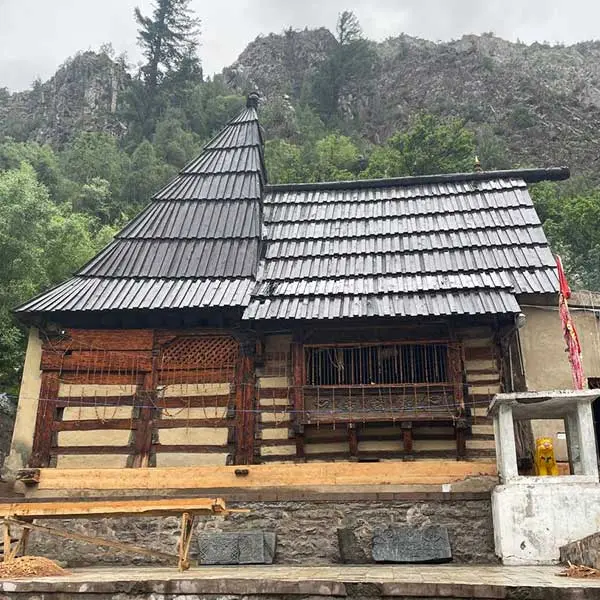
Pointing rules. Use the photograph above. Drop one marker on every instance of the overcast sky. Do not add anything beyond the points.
(38, 35)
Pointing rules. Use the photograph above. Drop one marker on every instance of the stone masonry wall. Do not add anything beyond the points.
(306, 531)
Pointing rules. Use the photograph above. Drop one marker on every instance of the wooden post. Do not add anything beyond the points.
(245, 403)
(185, 539)
(456, 373)
(353, 439)
(143, 434)
(42, 439)
(298, 396)
(407, 440)
(460, 429)
(7, 541)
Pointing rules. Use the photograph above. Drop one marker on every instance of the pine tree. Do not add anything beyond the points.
(169, 41)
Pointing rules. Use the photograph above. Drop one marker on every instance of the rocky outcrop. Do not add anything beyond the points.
(83, 95)
(542, 101)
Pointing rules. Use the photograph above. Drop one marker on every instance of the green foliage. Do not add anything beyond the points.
(284, 162)
(40, 245)
(430, 145)
(95, 161)
(570, 215)
(169, 41)
(350, 63)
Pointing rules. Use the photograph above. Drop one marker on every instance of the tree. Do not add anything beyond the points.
(92, 157)
(345, 70)
(169, 41)
(348, 28)
(147, 175)
(40, 244)
(570, 214)
(284, 162)
(430, 145)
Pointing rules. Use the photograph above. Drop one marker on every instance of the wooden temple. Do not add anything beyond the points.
(233, 322)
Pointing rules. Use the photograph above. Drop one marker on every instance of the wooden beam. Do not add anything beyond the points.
(245, 401)
(113, 508)
(407, 439)
(262, 476)
(297, 396)
(96, 541)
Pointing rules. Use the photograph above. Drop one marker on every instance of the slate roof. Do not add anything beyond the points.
(196, 245)
(217, 236)
(441, 245)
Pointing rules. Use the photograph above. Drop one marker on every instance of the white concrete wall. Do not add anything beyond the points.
(27, 409)
(532, 521)
(547, 364)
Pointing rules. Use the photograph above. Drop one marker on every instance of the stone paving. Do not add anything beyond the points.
(473, 581)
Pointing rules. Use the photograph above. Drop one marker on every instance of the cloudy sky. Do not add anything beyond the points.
(38, 35)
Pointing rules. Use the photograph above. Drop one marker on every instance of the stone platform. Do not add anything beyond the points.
(287, 582)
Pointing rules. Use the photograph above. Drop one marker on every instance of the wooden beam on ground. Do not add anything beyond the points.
(435, 472)
(121, 508)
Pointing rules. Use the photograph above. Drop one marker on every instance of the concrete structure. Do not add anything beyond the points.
(284, 582)
(545, 364)
(534, 516)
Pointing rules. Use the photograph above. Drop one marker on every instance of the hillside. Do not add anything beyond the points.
(542, 101)
(83, 95)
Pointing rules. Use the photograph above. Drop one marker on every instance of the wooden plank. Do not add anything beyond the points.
(85, 378)
(92, 424)
(192, 449)
(114, 508)
(91, 450)
(262, 476)
(196, 376)
(97, 360)
(297, 395)
(353, 440)
(106, 339)
(244, 405)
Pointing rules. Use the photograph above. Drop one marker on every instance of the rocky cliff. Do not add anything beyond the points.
(542, 101)
(83, 95)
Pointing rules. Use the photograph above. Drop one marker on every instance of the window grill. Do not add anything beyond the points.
(381, 364)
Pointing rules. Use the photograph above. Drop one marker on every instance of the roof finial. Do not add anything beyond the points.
(477, 166)
(252, 100)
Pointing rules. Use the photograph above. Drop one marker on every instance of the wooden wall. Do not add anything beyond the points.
(134, 398)
(137, 398)
(276, 439)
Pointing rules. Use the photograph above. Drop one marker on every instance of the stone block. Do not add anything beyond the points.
(406, 544)
(236, 548)
(351, 550)
(583, 552)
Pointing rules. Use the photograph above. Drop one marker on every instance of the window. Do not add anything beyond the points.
(382, 364)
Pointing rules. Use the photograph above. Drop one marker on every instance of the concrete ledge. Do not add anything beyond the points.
(279, 582)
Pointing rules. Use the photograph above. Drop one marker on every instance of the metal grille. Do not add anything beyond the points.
(385, 364)
(207, 352)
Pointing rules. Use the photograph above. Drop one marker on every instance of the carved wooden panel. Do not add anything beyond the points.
(200, 352)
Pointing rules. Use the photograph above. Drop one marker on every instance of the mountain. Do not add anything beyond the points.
(540, 103)
(84, 94)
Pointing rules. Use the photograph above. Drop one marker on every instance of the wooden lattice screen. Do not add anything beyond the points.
(214, 352)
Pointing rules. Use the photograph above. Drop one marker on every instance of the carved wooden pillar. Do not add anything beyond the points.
(245, 403)
(146, 398)
(298, 395)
